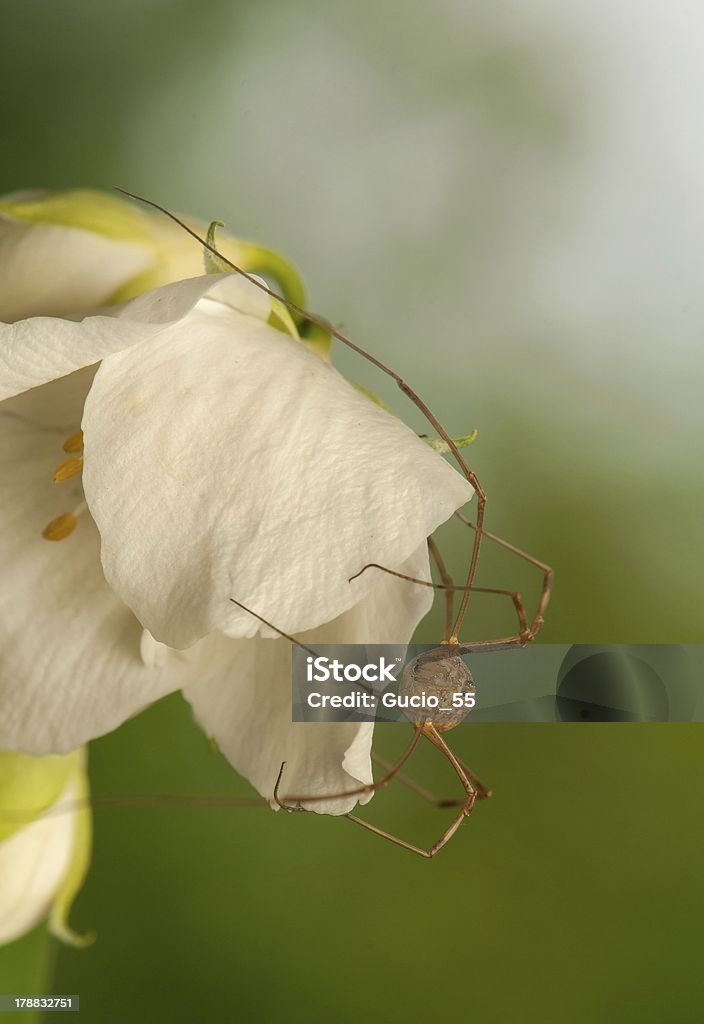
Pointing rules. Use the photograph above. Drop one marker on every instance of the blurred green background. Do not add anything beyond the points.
(505, 205)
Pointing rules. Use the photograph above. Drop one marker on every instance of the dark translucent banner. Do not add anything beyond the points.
(537, 683)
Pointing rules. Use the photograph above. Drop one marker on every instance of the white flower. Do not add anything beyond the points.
(223, 459)
(43, 858)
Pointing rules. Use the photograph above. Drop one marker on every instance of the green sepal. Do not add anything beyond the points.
(214, 263)
(281, 319)
(80, 862)
(102, 213)
(318, 340)
(257, 259)
(373, 398)
(443, 448)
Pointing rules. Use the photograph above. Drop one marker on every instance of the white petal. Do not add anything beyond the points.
(241, 695)
(33, 863)
(51, 270)
(225, 460)
(41, 349)
(154, 654)
(70, 667)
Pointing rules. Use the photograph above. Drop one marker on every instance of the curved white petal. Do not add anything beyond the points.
(241, 695)
(34, 862)
(224, 460)
(70, 667)
(51, 270)
(40, 349)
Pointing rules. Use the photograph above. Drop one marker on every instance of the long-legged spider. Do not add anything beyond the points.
(441, 667)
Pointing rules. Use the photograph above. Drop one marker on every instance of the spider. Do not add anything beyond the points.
(440, 670)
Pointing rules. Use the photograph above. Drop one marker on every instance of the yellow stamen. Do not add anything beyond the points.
(60, 527)
(68, 469)
(74, 443)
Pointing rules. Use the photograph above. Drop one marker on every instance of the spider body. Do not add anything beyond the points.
(448, 680)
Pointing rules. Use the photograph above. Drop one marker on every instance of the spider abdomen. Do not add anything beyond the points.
(441, 688)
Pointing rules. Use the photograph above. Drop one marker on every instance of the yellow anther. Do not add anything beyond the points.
(60, 527)
(74, 443)
(68, 469)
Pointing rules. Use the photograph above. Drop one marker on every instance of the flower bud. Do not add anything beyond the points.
(68, 252)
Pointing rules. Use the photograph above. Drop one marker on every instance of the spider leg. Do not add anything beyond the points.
(483, 792)
(402, 842)
(449, 585)
(466, 805)
(539, 617)
(524, 631)
(416, 787)
(370, 787)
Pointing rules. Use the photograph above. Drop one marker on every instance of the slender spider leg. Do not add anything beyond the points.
(467, 805)
(407, 390)
(392, 838)
(449, 585)
(286, 636)
(362, 790)
(513, 594)
(294, 802)
(483, 792)
(282, 805)
(526, 632)
(504, 643)
(20, 816)
(547, 572)
(416, 787)
(473, 787)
